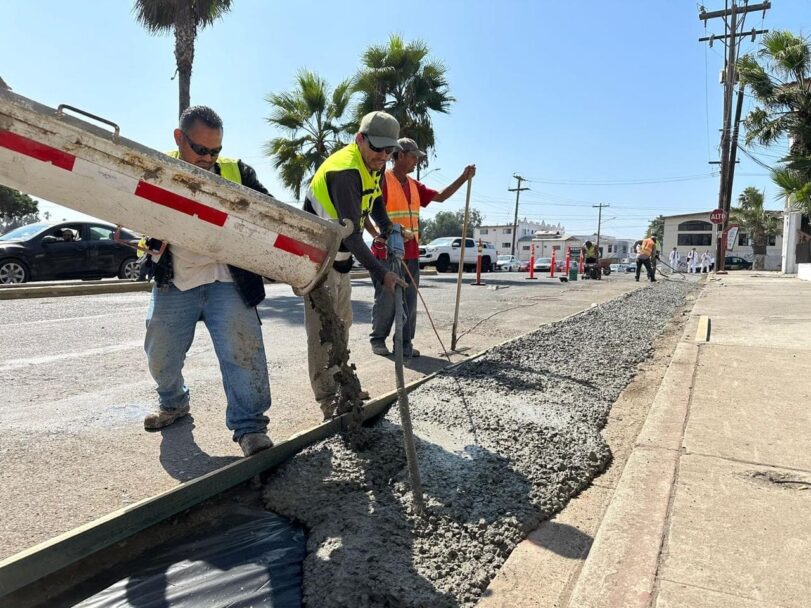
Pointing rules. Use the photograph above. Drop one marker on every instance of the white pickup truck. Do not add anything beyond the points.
(444, 254)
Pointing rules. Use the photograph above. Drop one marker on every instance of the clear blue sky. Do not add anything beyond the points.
(593, 102)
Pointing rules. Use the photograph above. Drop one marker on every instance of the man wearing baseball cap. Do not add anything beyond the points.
(347, 187)
(404, 196)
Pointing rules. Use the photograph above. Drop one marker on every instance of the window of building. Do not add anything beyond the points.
(695, 240)
(508, 231)
(695, 226)
(525, 247)
(555, 247)
(506, 244)
(483, 231)
(745, 241)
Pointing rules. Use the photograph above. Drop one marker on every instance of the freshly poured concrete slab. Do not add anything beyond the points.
(742, 530)
(735, 414)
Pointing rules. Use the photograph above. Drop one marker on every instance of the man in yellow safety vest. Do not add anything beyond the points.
(190, 287)
(347, 186)
(404, 196)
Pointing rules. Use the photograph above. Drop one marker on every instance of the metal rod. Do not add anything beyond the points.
(402, 402)
(461, 265)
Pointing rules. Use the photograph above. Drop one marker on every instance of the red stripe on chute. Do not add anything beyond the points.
(35, 149)
(180, 203)
(285, 243)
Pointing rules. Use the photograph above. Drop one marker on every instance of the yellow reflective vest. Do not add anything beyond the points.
(345, 159)
(229, 168)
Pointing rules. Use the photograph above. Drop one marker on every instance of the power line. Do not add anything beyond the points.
(626, 182)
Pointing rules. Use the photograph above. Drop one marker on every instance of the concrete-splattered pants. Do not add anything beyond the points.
(383, 310)
(340, 289)
(237, 337)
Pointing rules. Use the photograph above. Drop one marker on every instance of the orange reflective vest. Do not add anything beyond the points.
(397, 205)
(647, 247)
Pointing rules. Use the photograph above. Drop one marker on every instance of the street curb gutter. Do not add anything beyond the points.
(56, 290)
(621, 567)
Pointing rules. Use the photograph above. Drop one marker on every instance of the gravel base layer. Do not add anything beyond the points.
(503, 443)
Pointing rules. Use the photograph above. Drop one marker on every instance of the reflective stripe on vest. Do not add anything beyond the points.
(646, 248)
(346, 158)
(397, 206)
(229, 168)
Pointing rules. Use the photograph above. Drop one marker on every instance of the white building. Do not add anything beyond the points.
(548, 241)
(694, 230)
(610, 246)
(500, 236)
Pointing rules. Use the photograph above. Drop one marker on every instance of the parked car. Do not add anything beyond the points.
(733, 262)
(543, 264)
(444, 254)
(67, 250)
(510, 263)
(524, 265)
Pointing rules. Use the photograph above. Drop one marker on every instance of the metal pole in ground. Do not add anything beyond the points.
(402, 401)
(461, 265)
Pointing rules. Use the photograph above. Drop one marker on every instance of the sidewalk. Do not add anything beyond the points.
(713, 506)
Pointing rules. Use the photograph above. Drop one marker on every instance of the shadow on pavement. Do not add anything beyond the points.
(180, 455)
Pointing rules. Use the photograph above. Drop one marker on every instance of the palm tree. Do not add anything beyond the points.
(756, 222)
(399, 78)
(794, 187)
(311, 117)
(184, 17)
(781, 84)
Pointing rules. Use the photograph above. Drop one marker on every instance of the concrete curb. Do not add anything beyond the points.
(621, 567)
(58, 291)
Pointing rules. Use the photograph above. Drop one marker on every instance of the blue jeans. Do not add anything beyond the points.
(237, 336)
(383, 310)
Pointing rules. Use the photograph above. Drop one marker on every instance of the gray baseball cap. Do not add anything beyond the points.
(409, 145)
(381, 129)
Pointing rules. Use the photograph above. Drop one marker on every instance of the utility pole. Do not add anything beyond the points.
(517, 191)
(599, 221)
(729, 142)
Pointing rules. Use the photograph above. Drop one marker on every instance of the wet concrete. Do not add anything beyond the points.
(503, 443)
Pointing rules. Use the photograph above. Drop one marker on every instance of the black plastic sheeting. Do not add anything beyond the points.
(250, 558)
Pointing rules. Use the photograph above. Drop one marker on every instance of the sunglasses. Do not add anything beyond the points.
(201, 150)
(386, 150)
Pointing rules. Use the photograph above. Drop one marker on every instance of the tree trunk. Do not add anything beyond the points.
(185, 33)
(759, 252)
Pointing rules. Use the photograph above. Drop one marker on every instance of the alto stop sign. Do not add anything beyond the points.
(718, 216)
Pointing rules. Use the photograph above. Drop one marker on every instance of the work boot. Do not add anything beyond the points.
(364, 395)
(161, 418)
(251, 443)
(411, 353)
(380, 349)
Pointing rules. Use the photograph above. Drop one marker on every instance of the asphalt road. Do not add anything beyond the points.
(72, 444)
